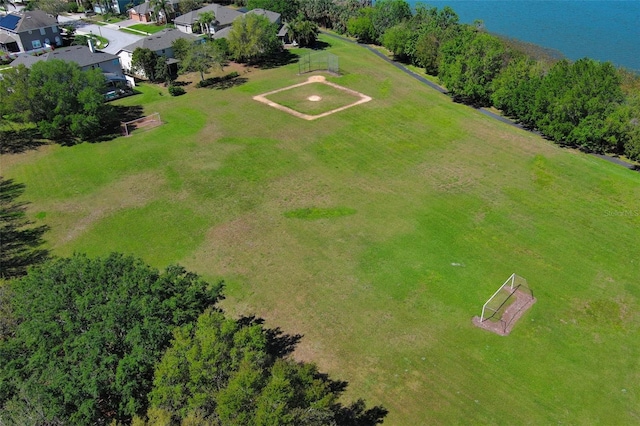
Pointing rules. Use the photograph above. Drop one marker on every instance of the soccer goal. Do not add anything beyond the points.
(501, 311)
(151, 120)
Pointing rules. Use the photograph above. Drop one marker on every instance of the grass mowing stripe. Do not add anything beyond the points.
(449, 203)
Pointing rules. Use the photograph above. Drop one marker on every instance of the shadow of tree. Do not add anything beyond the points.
(227, 84)
(119, 114)
(279, 59)
(22, 140)
(320, 45)
(280, 345)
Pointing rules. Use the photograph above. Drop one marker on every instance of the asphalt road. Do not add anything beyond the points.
(117, 39)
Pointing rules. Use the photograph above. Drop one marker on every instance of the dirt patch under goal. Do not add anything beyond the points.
(313, 79)
(521, 304)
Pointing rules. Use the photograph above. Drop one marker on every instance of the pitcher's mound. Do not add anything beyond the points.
(314, 98)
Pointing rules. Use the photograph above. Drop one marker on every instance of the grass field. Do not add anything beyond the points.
(146, 28)
(420, 208)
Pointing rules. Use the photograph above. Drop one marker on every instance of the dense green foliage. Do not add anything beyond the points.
(201, 57)
(228, 372)
(252, 38)
(370, 23)
(144, 62)
(205, 19)
(20, 243)
(303, 31)
(90, 332)
(288, 9)
(574, 101)
(469, 63)
(333, 14)
(62, 100)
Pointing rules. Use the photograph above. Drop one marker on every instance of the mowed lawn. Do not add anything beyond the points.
(441, 205)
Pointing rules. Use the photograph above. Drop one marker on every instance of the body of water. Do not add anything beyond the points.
(602, 30)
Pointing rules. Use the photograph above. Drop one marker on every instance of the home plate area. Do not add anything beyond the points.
(312, 99)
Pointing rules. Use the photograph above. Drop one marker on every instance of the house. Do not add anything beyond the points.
(225, 16)
(188, 23)
(144, 12)
(27, 31)
(117, 7)
(87, 58)
(161, 43)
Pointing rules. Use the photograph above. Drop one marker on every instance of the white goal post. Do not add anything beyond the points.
(151, 120)
(513, 283)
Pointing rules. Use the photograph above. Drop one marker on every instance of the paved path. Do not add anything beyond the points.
(484, 111)
(117, 39)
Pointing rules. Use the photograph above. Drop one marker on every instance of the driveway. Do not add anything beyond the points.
(117, 39)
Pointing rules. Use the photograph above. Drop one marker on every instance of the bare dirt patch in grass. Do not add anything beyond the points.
(521, 302)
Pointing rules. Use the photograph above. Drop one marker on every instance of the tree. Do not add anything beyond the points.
(288, 9)
(388, 13)
(52, 7)
(432, 28)
(20, 243)
(397, 39)
(344, 11)
(469, 63)
(321, 12)
(66, 102)
(205, 19)
(181, 48)
(361, 25)
(14, 93)
(162, 71)
(304, 32)
(573, 102)
(514, 90)
(161, 5)
(186, 6)
(143, 62)
(252, 38)
(90, 333)
(223, 371)
(202, 56)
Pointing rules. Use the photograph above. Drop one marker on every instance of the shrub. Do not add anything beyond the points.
(176, 91)
(211, 81)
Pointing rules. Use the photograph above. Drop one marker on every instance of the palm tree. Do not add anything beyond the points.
(160, 5)
(206, 19)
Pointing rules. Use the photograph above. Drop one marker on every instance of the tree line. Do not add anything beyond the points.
(586, 104)
(110, 340)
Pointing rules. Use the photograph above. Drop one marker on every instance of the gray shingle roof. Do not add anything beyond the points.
(25, 59)
(224, 15)
(160, 40)
(272, 16)
(18, 22)
(81, 55)
(142, 8)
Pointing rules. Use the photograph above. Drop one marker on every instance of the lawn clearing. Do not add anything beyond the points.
(146, 28)
(447, 203)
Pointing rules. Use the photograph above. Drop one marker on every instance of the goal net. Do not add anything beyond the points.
(506, 305)
(149, 121)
